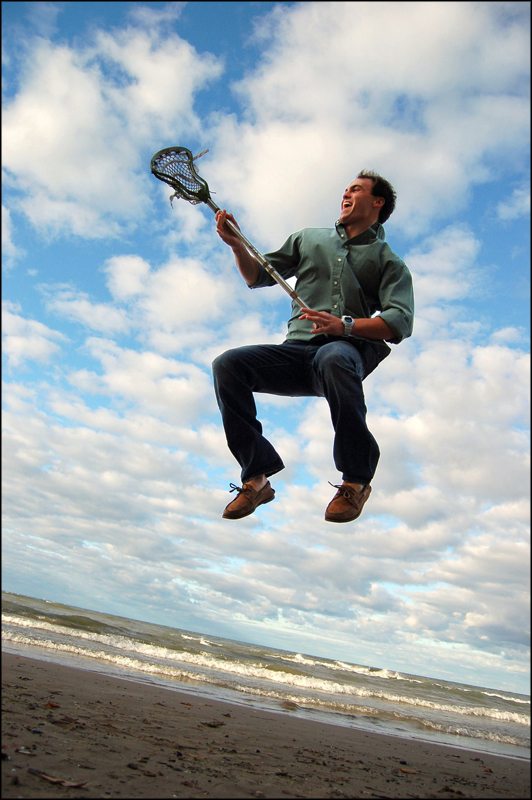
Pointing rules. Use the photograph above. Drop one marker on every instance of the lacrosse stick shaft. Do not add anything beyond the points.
(260, 258)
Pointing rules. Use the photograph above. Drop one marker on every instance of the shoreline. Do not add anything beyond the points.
(112, 737)
(212, 692)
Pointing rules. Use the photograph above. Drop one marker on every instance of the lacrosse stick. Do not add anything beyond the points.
(174, 166)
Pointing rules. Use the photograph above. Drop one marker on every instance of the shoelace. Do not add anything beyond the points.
(235, 488)
(344, 490)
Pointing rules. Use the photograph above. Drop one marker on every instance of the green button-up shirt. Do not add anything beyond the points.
(357, 277)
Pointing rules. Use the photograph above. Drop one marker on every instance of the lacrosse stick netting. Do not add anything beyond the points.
(175, 166)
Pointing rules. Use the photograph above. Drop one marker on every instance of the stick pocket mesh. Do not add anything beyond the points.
(175, 166)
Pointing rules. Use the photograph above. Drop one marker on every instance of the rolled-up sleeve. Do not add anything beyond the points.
(396, 295)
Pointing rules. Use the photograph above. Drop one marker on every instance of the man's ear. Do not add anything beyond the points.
(379, 202)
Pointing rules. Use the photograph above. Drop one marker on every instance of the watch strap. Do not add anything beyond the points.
(349, 324)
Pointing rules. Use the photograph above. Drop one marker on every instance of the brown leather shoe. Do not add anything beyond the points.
(247, 500)
(347, 503)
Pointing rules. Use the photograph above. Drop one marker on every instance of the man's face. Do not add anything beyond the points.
(358, 204)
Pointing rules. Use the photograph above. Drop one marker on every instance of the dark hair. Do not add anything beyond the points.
(381, 188)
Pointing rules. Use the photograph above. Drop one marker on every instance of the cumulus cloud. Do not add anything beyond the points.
(434, 135)
(10, 250)
(27, 339)
(518, 205)
(73, 305)
(126, 276)
(95, 108)
(178, 389)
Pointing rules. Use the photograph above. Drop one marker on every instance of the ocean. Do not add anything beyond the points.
(331, 691)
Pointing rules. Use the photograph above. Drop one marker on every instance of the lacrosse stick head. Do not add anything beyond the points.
(175, 166)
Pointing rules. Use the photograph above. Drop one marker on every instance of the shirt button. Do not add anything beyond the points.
(336, 283)
(338, 259)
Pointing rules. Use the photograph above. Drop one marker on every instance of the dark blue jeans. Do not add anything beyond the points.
(331, 369)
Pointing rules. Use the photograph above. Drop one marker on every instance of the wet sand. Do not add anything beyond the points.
(71, 733)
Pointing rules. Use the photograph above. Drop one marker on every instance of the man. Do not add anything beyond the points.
(359, 296)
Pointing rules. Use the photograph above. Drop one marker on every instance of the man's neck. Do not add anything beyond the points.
(354, 229)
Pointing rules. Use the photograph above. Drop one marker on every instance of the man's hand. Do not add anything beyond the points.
(224, 231)
(245, 261)
(323, 322)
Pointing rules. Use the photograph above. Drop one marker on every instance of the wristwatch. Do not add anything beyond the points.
(349, 324)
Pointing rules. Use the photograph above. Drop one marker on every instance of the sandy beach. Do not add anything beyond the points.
(72, 733)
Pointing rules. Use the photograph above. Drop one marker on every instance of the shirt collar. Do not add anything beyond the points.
(376, 231)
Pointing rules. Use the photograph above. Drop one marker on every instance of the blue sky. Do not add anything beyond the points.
(115, 303)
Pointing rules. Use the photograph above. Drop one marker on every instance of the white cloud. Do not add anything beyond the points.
(159, 79)
(437, 30)
(518, 205)
(94, 110)
(444, 266)
(126, 276)
(27, 339)
(10, 251)
(178, 390)
(99, 108)
(315, 115)
(78, 307)
(181, 292)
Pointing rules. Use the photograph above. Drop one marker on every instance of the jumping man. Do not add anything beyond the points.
(359, 296)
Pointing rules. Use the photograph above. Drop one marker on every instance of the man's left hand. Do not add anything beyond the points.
(323, 322)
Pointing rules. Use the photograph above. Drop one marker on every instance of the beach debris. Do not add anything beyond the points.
(289, 705)
(171, 766)
(216, 723)
(65, 720)
(408, 770)
(56, 779)
(24, 751)
(147, 772)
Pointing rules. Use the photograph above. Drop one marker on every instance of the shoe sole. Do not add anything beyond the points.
(328, 518)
